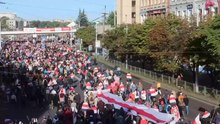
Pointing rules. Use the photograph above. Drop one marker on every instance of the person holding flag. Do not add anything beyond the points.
(203, 117)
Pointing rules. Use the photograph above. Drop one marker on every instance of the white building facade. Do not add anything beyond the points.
(153, 8)
(197, 8)
(14, 22)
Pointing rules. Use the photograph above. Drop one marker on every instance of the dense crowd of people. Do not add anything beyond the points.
(49, 73)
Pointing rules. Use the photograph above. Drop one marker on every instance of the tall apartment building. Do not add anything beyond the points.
(128, 11)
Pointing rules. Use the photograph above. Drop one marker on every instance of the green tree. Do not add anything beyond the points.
(168, 39)
(137, 42)
(205, 49)
(87, 34)
(211, 29)
(82, 19)
(4, 25)
(201, 53)
(115, 41)
(35, 24)
(48, 24)
(110, 19)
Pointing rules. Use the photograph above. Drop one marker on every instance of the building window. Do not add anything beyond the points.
(133, 15)
(207, 11)
(190, 13)
(200, 12)
(179, 14)
(216, 10)
(184, 13)
(133, 3)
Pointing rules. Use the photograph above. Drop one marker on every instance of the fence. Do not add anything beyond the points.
(180, 84)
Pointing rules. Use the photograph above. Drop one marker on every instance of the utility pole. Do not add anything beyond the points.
(219, 7)
(115, 23)
(96, 37)
(104, 18)
(115, 10)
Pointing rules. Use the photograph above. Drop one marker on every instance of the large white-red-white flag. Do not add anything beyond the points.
(147, 113)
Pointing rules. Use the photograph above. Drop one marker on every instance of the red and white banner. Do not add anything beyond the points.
(58, 29)
(45, 29)
(147, 113)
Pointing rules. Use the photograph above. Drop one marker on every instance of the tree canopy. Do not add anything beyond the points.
(167, 43)
(115, 41)
(82, 19)
(87, 34)
(4, 25)
(47, 24)
(111, 19)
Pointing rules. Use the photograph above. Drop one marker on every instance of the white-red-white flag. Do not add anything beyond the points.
(197, 120)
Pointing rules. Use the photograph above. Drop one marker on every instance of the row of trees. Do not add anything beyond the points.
(82, 19)
(167, 44)
(47, 24)
(87, 29)
(163, 44)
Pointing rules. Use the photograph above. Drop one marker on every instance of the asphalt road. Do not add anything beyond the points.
(12, 111)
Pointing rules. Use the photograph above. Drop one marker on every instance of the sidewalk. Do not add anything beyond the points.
(199, 97)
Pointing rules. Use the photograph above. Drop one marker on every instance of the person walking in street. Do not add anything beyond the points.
(186, 102)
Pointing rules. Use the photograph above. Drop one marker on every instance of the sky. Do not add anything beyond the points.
(56, 9)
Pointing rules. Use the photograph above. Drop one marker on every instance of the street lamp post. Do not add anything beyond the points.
(79, 22)
(96, 36)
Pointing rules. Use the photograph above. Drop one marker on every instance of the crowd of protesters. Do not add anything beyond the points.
(48, 73)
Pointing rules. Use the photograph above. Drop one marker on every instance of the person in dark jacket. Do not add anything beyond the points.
(138, 119)
(186, 101)
(205, 117)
